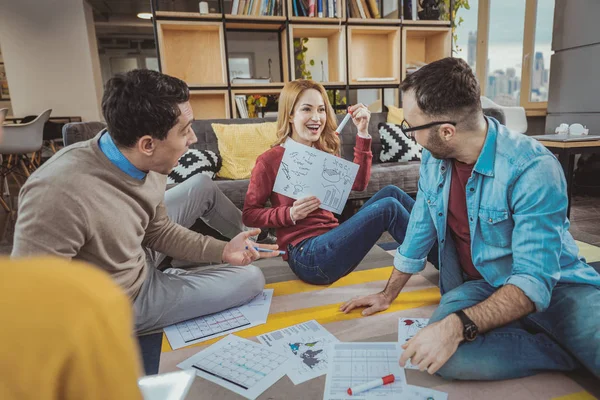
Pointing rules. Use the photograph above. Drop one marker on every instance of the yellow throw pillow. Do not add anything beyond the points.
(395, 115)
(240, 146)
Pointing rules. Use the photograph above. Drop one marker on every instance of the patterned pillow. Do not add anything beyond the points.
(396, 146)
(195, 162)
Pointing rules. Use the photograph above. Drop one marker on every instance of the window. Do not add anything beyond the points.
(512, 49)
(505, 51)
(465, 46)
(542, 45)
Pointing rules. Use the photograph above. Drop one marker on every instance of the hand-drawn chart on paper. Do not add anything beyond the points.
(305, 171)
(307, 343)
(240, 365)
(407, 328)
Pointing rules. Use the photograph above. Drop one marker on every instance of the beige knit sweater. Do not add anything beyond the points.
(80, 205)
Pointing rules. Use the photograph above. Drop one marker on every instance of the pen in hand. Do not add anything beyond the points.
(268, 250)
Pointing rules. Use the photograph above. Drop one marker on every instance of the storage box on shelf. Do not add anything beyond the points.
(336, 49)
(193, 51)
(210, 104)
(374, 55)
(424, 45)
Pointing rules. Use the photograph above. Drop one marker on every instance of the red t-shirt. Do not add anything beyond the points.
(277, 216)
(458, 219)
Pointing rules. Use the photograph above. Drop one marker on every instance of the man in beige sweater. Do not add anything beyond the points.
(104, 201)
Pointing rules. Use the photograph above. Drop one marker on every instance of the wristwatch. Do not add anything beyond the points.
(470, 330)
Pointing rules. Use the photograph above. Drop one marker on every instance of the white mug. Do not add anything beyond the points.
(203, 7)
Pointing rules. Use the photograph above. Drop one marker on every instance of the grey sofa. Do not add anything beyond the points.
(403, 175)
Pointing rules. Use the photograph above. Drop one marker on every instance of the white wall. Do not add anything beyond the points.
(316, 49)
(50, 56)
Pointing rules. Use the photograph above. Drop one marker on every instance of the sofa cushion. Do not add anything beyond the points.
(396, 146)
(395, 115)
(195, 162)
(240, 146)
(235, 190)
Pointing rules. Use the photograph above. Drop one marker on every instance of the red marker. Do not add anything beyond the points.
(371, 385)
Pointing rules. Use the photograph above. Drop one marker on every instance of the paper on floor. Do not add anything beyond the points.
(240, 365)
(352, 364)
(407, 328)
(235, 319)
(307, 343)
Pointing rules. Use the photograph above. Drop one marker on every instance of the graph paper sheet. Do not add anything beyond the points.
(222, 323)
(351, 364)
(240, 365)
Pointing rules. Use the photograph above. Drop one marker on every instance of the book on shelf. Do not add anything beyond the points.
(317, 8)
(244, 81)
(257, 8)
(410, 10)
(240, 101)
(364, 9)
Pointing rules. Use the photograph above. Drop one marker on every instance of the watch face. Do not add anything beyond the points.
(470, 332)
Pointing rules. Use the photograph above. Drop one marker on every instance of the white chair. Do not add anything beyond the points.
(18, 141)
(516, 119)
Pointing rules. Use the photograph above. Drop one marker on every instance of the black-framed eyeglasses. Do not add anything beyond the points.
(405, 126)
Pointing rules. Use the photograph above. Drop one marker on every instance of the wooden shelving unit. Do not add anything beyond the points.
(247, 92)
(194, 48)
(425, 44)
(193, 52)
(210, 104)
(336, 49)
(375, 53)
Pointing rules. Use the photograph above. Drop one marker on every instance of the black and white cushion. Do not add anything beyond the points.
(195, 162)
(396, 146)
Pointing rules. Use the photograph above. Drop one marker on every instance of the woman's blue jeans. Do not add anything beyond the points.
(324, 259)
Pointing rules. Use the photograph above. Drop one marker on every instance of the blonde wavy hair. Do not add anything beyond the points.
(328, 141)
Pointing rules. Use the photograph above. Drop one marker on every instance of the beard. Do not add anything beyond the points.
(436, 146)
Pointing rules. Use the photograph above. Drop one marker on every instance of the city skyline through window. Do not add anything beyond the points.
(505, 48)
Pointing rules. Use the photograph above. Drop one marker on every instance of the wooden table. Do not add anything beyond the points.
(566, 152)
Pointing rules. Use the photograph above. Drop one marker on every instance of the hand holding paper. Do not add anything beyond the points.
(308, 172)
(303, 207)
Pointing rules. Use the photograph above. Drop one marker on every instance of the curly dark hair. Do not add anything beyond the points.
(446, 87)
(142, 102)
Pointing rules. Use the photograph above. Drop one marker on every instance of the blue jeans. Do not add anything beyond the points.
(324, 259)
(562, 338)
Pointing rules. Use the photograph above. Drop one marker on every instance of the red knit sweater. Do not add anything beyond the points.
(278, 215)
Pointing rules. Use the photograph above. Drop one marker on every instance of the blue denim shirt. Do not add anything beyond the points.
(517, 209)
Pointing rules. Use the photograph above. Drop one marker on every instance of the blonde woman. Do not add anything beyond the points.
(318, 249)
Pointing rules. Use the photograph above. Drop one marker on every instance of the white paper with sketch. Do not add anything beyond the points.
(307, 343)
(235, 319)
(354, 363)
(305, 171)
(240, 365)
(407, 328)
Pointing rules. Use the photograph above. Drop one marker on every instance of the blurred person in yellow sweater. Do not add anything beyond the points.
(67, 333)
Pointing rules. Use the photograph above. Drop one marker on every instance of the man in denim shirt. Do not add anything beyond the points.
(516, 297)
